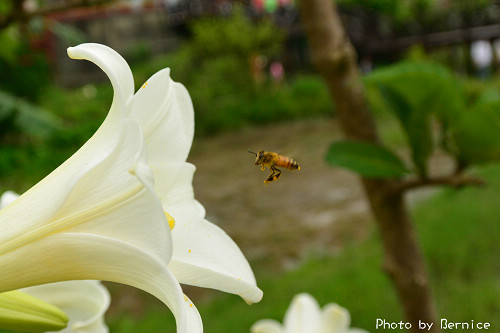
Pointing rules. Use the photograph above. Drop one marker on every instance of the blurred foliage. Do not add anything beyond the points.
(19, 116)
(404, 11)
(24, 160)
(9, 39)
(435, 112)
(423, 94)
(220, 50)
(25, 72)
(397, 10)
(215, 66)
(400, 18)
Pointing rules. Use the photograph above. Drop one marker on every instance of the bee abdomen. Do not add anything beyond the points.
(294, 165)
(287, 163)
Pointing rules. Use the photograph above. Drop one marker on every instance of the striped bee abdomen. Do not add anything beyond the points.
(287, 163)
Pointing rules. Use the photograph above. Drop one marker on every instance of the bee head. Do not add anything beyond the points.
(259, 156)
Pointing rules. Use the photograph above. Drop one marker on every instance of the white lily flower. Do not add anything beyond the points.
(99, 215)
(305, 316)
(84, 301)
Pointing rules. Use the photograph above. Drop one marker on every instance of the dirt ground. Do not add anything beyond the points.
(316, 208)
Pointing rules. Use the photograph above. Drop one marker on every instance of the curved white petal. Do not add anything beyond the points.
(204, 255)
(115, 67)
(267, 326)
(85, 303)
(334, 318)
(165, 111)
(68, 256)
(303, 315)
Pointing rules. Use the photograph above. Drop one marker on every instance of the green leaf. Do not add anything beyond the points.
(415, 121)
(366, 159)
(419, 81)
(28, 117)
(10, 41)
(416, 92)
(478, 135)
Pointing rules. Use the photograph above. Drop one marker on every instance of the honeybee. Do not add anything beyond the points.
(272, 161)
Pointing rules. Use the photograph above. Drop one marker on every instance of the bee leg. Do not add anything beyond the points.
(275, 174)
(263, 167)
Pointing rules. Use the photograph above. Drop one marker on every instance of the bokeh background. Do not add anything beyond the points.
(246, 65)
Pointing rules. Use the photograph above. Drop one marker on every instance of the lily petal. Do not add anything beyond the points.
(204, 255)
(303, 315)
(85, 303)
(118, 261)
(115, 67)
(179, 199)
(165, 111)
(267, 326)
(334, 318)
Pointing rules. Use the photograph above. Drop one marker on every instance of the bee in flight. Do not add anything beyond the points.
(272, 161)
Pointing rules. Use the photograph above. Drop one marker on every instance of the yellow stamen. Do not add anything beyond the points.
(170, 220)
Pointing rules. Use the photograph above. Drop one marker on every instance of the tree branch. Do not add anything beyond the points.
(456, 180)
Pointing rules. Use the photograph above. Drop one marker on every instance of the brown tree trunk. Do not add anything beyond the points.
(335, 58)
